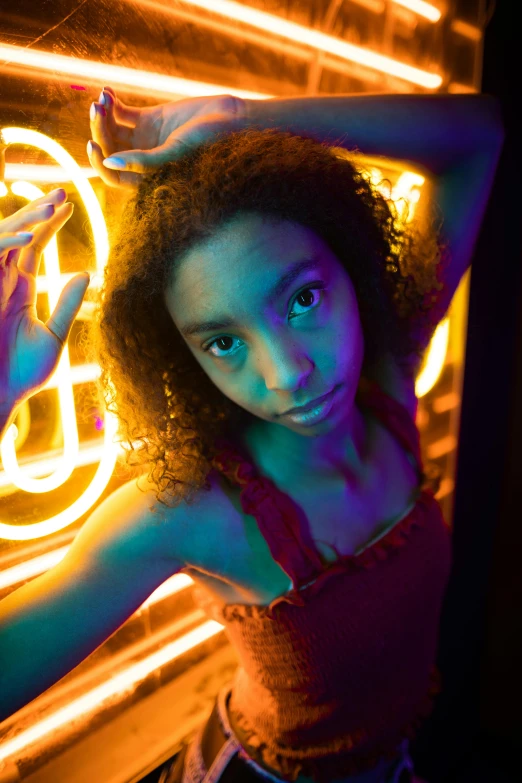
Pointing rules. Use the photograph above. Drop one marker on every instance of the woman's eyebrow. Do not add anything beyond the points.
(291, 274)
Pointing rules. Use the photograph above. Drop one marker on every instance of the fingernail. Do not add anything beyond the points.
(89, 149)
(97, 110)
(114, 163)
(25, 235)
(101, 99)
(60, 192)
(46, 206)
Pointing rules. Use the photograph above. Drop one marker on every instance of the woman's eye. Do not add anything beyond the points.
(228, 352)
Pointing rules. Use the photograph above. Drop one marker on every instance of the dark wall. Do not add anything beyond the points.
(475, 732)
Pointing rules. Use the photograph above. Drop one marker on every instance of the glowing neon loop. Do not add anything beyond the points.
(62, 377)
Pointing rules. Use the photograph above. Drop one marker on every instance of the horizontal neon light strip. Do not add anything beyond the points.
(177, 86)
(421, 8)
(116, 74)
(442, 447)
(456, 88)
(376, 6)
(35, 173)
(466, 30)
(221, 26)
(318, 40)
(31, 568)
(117, 684)
(34, 468)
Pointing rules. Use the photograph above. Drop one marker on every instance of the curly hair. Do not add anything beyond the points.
(169, 411)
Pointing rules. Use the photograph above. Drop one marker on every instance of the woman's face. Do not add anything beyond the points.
(269, 350)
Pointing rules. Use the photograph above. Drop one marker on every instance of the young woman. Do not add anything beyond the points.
(261, 323)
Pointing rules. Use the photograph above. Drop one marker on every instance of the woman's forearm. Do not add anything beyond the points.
(435, 132)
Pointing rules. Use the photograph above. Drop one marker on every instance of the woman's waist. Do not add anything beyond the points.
(376, 767)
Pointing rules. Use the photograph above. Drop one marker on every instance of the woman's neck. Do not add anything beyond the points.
(298, 459)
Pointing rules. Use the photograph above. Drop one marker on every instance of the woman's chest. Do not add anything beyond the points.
(232, 561)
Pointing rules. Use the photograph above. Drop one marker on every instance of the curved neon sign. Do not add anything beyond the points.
(58, 471)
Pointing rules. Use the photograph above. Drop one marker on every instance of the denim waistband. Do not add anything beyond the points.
(195, 769)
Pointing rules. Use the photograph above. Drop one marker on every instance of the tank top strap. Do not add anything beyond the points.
(394, 416)
(281, 522)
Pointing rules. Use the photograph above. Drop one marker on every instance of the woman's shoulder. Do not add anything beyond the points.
(189, 532)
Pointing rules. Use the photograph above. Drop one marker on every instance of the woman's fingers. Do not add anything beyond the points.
(66, 310)
(122, 134)
(126, 115)
(30, 255)
(192, 134)
(10, 246)
(96, 159)
(123, 180)
(8, 241)
(144, 161)
(34, 212)
(100, 131)
(106, 132)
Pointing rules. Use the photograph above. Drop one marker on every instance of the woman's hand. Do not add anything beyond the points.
(29, 349)
(143, 139)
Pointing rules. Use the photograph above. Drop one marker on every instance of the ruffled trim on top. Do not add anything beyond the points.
(369, 558)
(280, 520)
(341, 757)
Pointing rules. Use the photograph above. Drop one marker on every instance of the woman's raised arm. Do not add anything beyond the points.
(455, 140)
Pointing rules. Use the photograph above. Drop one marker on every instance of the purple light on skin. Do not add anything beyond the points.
(77, 87)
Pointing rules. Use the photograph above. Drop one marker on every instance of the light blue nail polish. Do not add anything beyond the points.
(114, 163)
(101, 99)
(25, 236)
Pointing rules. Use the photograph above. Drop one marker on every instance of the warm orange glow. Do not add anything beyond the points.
(35, 173)
(435, 359)
(427, 10)
(446, 402)
(405, 194)
(115, 686)
(317, 40)
(56, 472)
(178, 87)
(466, 30)
(455, 87)
(102, 73)
(443, 446)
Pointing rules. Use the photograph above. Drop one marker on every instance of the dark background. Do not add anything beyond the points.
(475, 732)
